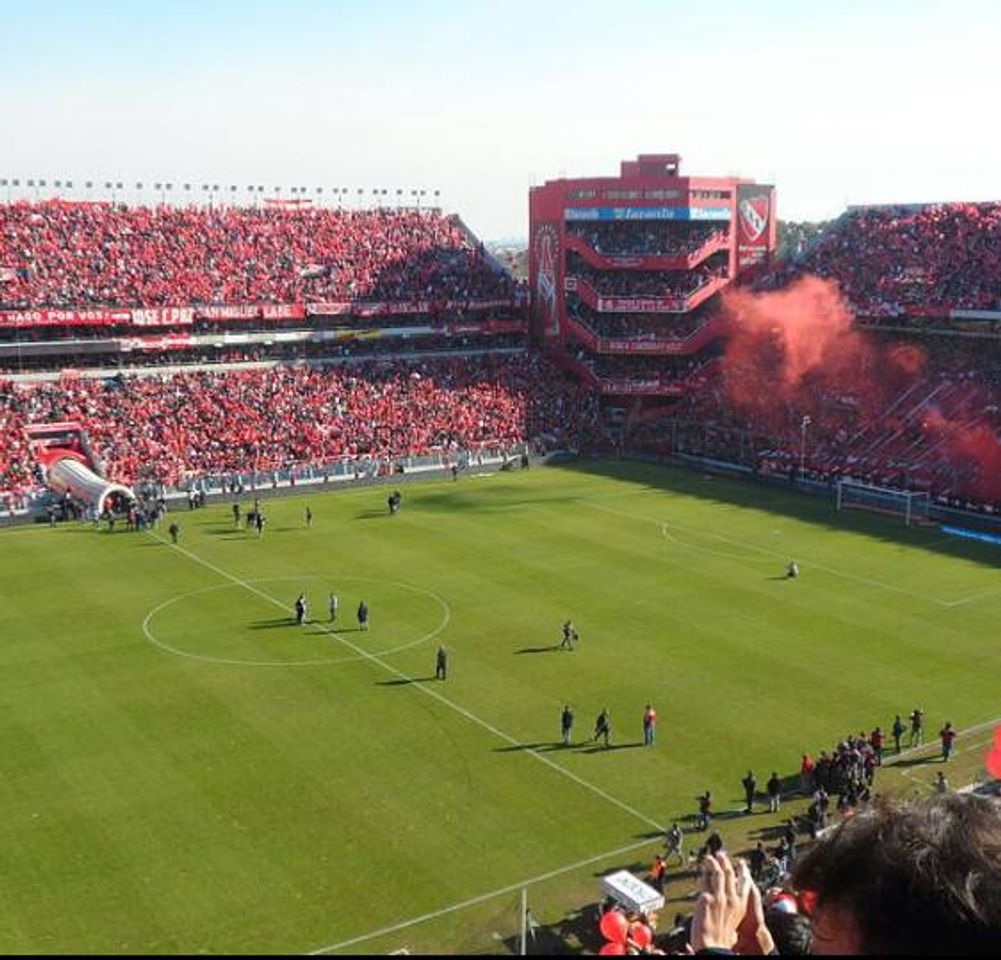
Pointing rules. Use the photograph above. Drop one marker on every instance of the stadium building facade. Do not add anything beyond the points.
(625, 272)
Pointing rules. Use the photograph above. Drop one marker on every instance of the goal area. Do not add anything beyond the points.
(910, 506)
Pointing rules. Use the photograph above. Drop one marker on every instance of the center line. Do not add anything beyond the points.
(427, 691)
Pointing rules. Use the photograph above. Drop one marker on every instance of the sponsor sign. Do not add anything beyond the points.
(641, 304)
(185, 316)
(647, 213)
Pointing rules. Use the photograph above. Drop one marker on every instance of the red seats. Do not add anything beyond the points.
(889, 261)
(78, 255)
(163, 428)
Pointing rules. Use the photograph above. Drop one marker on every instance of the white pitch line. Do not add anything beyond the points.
(968, 731)
(152, 637)
(481, 898)
(668, 535)
(472, 901)
(472, 717)
(930, 784)
(427, 691)
(975, 596)
(768, 552)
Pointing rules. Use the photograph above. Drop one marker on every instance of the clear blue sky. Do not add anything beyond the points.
(835, 102)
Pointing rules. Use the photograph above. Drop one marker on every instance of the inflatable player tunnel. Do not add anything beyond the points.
(70, 466)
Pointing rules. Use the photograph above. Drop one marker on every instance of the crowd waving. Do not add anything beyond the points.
(891, 260)
(166, 429)
(647, 283)
(87, 254)
(665, 239)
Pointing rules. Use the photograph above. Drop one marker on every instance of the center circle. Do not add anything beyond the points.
(204, 615)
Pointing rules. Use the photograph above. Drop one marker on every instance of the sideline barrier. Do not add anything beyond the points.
(966, 534)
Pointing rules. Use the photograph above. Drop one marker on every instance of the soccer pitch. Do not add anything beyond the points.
(186, 770)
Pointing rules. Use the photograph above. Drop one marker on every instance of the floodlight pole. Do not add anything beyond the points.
(803, 424)
(524, 921)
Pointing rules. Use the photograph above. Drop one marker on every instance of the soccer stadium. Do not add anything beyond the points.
(364, 595)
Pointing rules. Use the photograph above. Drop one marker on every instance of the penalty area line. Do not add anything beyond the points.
(481, 898)
(766, 551)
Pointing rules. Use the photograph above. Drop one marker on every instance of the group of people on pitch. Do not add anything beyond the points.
(603, 726)
(301, 607)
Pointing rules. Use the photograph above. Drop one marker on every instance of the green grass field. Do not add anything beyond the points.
(185, 770)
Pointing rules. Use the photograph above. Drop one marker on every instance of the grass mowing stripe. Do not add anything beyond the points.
(511, 888)
(481, 898)
(867, 581)
(428, 691)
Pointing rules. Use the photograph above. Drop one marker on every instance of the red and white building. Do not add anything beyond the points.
(625, 272)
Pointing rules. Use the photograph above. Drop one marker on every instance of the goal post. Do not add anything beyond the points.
(910, 506)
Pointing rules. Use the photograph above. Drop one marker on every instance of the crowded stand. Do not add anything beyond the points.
(647, 283)
(651, 239)
(895, 260)
(169, 428)
(162, 353)
(635, 326)
(617, 367)
(902, 270)
(84, 254)
(888, 438)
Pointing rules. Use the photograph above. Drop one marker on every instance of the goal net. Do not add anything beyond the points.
(911, 507)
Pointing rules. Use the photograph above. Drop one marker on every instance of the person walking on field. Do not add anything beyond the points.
(362, 615)
(649, 725)
(897, 730)
(333, 604)
(774, 793)
(657, 872)
(301, 610)
(917, 726)
(674, 843)
(705, 810)
(603, 726)
(948, 737)
(750, 784)
(566, 725)
(441, 664)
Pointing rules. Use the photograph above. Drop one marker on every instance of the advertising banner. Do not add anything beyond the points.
(162, 316)
(641, 304)
(51, 318)
(647, 213)
(650, 388)
(379, 308)
(650, 346)
(185, 316)
(171, 341)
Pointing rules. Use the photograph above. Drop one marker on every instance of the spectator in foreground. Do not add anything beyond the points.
(917, 877)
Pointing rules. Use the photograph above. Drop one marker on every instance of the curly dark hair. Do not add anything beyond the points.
(915, 876)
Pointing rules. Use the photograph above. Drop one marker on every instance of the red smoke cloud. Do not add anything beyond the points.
(795, 351)
(974, 449)
(790, 350)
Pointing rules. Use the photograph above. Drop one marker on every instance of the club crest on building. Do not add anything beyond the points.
(545, 282)
(754, 215)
